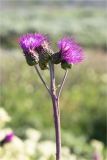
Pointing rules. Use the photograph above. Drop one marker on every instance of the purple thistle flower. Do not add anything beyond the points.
(8, 138)
(70, 51)
(31, 41)
(30, 44)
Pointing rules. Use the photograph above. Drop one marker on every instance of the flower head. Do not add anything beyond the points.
(29, 44)
(31, 41)
(70, 51)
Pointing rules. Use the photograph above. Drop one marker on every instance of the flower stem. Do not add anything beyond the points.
(62, 83)
(39, 74)
(56, 112)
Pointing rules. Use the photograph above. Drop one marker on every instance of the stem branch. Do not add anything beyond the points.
(62, 83)
(56, 112)
(40, 76)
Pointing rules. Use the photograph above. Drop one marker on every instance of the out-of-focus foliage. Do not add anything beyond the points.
(87, 25)
(34, 147)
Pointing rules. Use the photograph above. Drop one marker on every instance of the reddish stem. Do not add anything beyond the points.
(57, 127)
(55, 102)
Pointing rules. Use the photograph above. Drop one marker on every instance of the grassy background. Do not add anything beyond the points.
(86, 25)
(83, 102)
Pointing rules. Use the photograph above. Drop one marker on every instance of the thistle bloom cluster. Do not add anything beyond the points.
(30, 44)
(36, 49)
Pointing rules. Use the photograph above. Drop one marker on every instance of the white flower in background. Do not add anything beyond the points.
(33, 134)
(65, 151)
(66, 155)
(30, 147)
(46, 148)
(70, 157)
(31, 142)
(14, 150)
(98, 150)
(22, 157)
(97, 145)
(16, 145)
(42, 158)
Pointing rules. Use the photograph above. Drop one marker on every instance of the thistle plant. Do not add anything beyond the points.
(38, 53)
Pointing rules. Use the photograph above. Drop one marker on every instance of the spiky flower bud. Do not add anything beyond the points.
(65, 65)
(56, 58)
(45, 54)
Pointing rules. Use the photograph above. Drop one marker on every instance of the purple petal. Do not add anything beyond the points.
(31, 41)
(70, 51)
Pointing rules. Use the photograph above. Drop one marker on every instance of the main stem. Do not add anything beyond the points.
(55, 102)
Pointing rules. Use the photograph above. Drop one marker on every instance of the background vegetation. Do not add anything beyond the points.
(83, 102)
